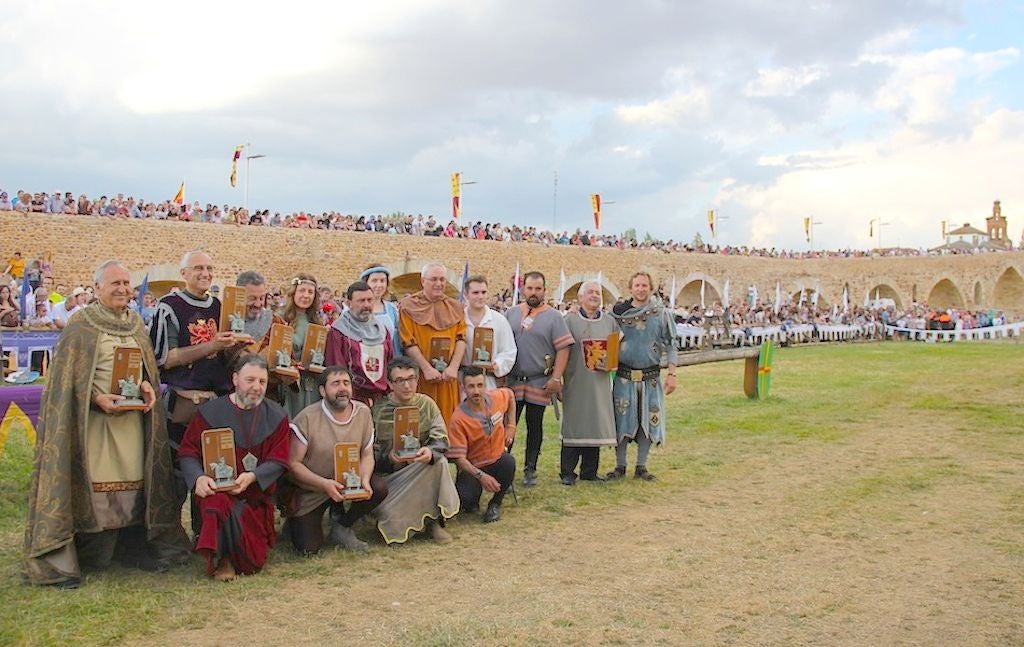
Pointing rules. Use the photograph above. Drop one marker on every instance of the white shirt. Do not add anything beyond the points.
(504, 344)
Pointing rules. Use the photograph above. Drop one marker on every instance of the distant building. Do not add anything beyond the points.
(971, 239)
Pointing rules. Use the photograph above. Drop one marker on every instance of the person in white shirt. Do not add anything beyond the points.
(478, 315)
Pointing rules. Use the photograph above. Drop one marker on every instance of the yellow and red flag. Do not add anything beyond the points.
(179, 197)
(807, 229)
(711, 220)
(595, 204)
(456, 187)
(234, 164)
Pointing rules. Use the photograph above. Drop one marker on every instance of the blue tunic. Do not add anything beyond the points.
(648, 341)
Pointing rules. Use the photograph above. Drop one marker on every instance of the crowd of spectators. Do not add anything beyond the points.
(129, 207)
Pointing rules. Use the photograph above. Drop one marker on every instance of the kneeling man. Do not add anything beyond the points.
(237, 530)
(421, 491)
(337, 418)
(481, 431)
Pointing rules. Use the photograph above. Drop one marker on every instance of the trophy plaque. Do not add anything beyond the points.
(483, 347)
(279, 351)
(611, 361)
(219, 457)
(346, 471)
(313, 348)
(407, 432)
(126, 380)
(232, 313)
(440, 352)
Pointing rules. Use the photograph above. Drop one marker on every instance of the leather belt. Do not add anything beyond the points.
(638, 374)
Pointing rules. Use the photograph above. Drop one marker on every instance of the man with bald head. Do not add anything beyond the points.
(192, 354)
(433, 330)
(101, 484)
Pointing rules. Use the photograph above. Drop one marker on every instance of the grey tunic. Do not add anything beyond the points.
(589, 417)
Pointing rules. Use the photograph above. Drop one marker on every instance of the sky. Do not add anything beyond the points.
(905, 112)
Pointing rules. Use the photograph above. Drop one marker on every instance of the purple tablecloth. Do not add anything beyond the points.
(27, 398)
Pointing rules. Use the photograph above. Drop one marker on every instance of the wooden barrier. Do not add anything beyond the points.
(757, 370)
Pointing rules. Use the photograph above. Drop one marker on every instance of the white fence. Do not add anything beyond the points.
(692, 337)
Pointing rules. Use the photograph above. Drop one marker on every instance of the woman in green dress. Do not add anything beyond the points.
(301, 308)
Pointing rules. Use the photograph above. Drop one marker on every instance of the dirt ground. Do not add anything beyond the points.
(887, 536)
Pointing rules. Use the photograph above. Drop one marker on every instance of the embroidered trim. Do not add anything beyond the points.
(118, 486)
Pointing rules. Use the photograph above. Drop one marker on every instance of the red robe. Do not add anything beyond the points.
(240, 527)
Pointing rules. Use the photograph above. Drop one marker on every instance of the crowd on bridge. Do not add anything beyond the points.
(120, 206)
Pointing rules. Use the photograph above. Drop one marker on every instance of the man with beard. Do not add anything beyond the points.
(421, 492)
(648, 334)
(237, 525)
(478, 315)
(543, 342)
(337, 418)
(481, 432)
(258, 317)
(101, 482)
(433, 330)
(359, 342)
(588, 422)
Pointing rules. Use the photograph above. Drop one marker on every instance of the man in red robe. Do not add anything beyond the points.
(359, 342)
(237, 528)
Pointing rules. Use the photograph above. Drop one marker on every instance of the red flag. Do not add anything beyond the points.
(179, 197)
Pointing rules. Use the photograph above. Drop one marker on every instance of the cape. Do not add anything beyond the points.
(439, 315)
(59, 502)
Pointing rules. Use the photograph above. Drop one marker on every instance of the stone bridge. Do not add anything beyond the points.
(80, 243)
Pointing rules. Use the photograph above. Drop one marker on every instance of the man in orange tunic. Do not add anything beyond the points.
(433, 331)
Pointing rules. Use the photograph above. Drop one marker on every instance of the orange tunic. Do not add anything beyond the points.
(445, 394)
(467, 436)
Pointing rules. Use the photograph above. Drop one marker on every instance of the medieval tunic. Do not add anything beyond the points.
(306, 390)
(416, 491)
(420, 321)
(240, 527)
(66, 495)
(320, 431)
(588, 418)
(365, 349)
(648, 335)
(539, 333)
(504, 351)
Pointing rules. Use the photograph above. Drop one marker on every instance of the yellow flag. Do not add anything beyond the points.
(456, 186)
(595, 204)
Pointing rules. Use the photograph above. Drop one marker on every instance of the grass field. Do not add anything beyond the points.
(877, 498)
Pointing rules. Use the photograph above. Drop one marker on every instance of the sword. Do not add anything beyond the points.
(558, 409)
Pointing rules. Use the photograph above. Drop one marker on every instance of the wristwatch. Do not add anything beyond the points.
(478, 474)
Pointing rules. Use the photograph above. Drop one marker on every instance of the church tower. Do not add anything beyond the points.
(996, 225)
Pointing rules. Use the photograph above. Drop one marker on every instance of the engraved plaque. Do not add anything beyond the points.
(232, 313)
(346, 471)
(127, 378)
(313, 348)
(407, 432)
(279, 350)
(440, 352)
(483, 347)
(219, 457)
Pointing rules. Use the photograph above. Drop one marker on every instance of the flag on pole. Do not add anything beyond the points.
(943, 230)
(752, 295)
(561, 285)
(871, 229)
(725, 295)
(807, 229)
(456, 192)
(234, 164)
(672, 294)
(711, 221)
(595, 204)
(814, 298)
(803, 296)
(515, 284)
(778, 297)
(462, 286)
(143, 288)
(846, 300)
(702, 293)
(179, 197)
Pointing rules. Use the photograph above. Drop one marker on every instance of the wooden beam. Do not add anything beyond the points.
(724, 355)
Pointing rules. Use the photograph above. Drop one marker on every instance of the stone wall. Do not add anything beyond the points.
(80, 243)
